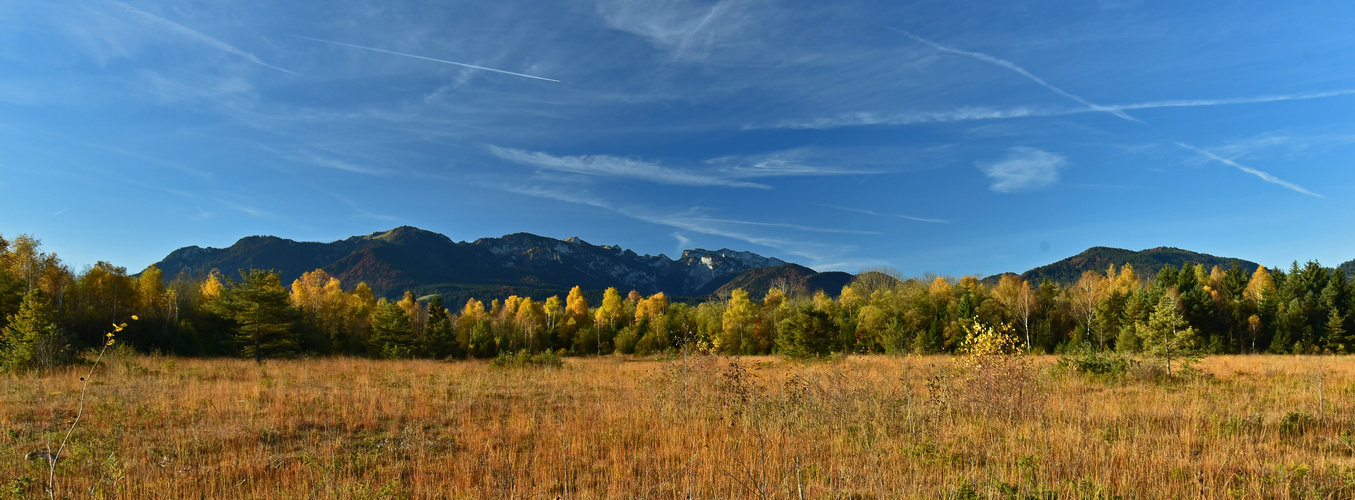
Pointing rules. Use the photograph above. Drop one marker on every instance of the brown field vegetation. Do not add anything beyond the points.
(690, 427)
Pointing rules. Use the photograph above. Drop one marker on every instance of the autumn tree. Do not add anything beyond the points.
(652, 324)
(472, 330)
(575, 318)
(1020, 300)
(24, 259)
(324, 305)
(555, 310)
(737, 323)
(12, 289)
(1084, 297)
(356, 313)
(530, 319)
(608, 315)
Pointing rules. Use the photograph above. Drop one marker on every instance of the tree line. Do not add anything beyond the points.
(48, 312)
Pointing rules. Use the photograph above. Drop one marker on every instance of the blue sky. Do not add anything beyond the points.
(954, 137)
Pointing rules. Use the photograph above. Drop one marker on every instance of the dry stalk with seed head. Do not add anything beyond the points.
(53, 457)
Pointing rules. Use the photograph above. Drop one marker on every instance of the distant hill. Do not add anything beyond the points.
(1146, 263)
(796, 278)
(1349, 268)
(409, 258)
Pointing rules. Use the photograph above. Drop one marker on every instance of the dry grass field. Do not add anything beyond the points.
(695, 427)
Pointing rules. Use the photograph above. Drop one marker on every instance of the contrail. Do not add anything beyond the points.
(196, 35)
(444, 61)
(1264, 176)
(1186, 103)
(1119, 110)
(975, 113)
(1021, 71)
(877, 214)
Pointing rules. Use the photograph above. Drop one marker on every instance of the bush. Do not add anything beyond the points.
(1084, 360)
(523, 358)
(999, 379)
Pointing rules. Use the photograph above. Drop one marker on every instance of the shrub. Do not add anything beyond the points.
(523, 358)
(999, 379)
(1086, 361)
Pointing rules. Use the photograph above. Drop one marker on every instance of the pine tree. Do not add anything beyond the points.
(1167, 336)
(392, 335)
(264, 318)
(441, 334)
(1336, 341)
(32, 339)
(805, 332)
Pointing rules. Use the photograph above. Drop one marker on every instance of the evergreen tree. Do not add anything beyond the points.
(806, 332)
(441, 334)
(264, 318)
(31, 338)
(392, 335)
(11, 292)
(1336, 341)
(1168, 337)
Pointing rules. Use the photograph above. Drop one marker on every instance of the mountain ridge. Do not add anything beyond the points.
(525, 264)
(409, 258)
(1146, 263)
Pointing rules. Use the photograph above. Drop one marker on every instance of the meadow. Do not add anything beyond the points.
(681, 427)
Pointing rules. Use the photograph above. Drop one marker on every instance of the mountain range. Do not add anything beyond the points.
(409, 258)
(424, 262)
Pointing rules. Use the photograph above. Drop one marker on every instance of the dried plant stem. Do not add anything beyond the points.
(79, 412)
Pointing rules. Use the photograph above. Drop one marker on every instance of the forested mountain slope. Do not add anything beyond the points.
(1146, 263)
(408, 258)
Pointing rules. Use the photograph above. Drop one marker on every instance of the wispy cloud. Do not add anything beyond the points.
(796, 227)
(1024, 169)
(444, 61)
(248, 209)
(1262, 175)
(343, 165)
(686, 30)
(792, 163)
(898, 216)
(193, 34)
(963, 114)
(980, 113)
(1039, 168)
(692, 221)
(611, 166)
(1021, 71)
(683, 243)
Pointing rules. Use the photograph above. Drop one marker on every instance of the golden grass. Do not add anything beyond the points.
(700, 427)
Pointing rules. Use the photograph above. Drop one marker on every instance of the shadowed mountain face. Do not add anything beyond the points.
(1146, 263)
(1347, 267)
(408, 258)
(791, 278)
